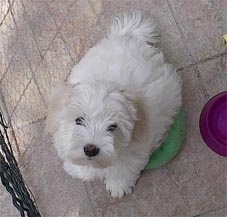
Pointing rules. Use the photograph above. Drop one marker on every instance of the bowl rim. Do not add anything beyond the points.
(205, 133)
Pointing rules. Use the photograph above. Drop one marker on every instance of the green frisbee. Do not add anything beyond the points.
(171, 146)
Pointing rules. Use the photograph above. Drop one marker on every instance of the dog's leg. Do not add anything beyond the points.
(82, 172)
(119, 186)
(121, 178)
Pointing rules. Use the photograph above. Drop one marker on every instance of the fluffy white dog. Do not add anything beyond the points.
(116, 107)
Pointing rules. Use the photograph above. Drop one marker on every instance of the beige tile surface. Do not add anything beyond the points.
(217, 213)
(214, 75)
(6, 206)
(79, 27)
(202, 23)
(41, 40)
(55, 67)
(39, 16)
(17, 37)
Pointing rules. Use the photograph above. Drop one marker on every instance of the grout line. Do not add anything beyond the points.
(202, 61)
(2, 98)
(176, 22)
(33, 72)
(40, 54)
(21, 126)
(187, 48)
(212, 58)
(196, 70)
(36, 84)
(178, 26)
(61, 36)
(30, 79)
(67, 48)
(209, 211)
(7, 69)
(63, 40)
(90, 199)
(20, 98)
(39, 51)
(7, 12)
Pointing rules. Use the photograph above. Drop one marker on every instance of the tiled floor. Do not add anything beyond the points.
(40, 42)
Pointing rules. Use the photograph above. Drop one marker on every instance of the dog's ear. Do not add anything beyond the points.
(140, 130)
(58, 98)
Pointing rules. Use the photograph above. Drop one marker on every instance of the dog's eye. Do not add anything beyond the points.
(80, 121)
(112, 127)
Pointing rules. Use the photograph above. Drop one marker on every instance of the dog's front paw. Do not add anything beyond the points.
(118, 189)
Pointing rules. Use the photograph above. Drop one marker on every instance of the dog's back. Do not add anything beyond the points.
(125, 55)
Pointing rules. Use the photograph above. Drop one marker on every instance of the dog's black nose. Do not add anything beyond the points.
(91, 150)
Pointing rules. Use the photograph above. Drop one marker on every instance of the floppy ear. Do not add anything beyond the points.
(140, 131)
(57, 101)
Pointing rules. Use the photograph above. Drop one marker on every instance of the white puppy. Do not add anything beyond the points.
(116, 107)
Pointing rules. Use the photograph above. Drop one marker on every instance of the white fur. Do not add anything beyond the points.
(121, 80)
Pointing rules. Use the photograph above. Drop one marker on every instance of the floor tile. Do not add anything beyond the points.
(78, 29)
(25, 105)
(41, 23)
(214, 75)
(202, 23)
(25, 136)
(216, 213)
(182, 187)
(18, 39)
(55, 67)
(8, 210)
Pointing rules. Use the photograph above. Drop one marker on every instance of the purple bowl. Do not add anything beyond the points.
(213, 124)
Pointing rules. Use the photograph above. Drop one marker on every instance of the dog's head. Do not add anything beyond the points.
(92, 122)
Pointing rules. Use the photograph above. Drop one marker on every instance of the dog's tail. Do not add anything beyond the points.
(136, 25)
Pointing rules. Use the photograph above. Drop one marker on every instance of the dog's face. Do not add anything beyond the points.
(93, 123)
